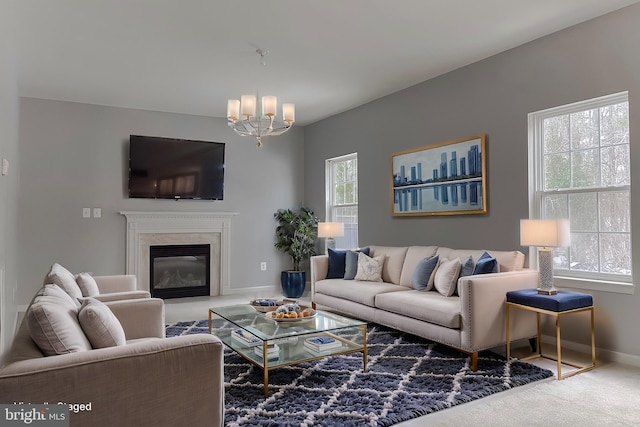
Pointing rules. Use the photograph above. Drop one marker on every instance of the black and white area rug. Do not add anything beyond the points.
(406, 377)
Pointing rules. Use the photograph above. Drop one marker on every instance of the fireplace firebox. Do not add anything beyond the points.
(178, 271)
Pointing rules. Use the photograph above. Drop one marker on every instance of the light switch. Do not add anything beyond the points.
(97, 212)
(5, 167)
(86, 212)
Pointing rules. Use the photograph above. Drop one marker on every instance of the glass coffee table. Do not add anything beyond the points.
(272, 343)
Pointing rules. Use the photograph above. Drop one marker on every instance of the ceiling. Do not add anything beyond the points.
(190, 56)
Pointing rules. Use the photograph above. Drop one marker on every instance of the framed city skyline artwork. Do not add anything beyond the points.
(441, 179)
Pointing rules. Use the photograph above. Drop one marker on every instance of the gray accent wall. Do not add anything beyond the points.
(491, 97)
(75, 155)
(8, 183)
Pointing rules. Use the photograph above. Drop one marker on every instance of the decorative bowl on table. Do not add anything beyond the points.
(291, 313)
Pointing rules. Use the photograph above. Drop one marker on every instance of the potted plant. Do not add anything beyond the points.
(295, 236)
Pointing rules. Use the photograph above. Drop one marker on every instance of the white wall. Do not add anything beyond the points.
(8, 183)
(76, 155)
(492, 97)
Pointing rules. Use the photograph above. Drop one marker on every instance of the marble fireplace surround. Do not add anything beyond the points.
(145, 229)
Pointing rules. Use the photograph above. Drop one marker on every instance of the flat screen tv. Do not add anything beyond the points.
(166, 168)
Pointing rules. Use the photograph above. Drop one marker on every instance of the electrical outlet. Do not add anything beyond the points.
(263, 266)
(86, 212)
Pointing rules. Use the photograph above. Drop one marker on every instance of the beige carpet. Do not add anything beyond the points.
(606, 396)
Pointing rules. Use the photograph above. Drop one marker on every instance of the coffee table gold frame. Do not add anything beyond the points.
(557, 315)
(347, 348)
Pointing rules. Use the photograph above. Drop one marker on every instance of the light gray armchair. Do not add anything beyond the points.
(102, 288)
(149, 381)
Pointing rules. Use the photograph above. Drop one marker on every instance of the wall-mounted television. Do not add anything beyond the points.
(167, 168)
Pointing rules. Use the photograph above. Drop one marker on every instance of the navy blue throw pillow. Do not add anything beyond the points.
(467, 267)
(336, 264)
(486, 264)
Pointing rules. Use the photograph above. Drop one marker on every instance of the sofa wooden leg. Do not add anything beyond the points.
(474, 361)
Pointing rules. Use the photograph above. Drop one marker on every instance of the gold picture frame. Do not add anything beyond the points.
(448, 178)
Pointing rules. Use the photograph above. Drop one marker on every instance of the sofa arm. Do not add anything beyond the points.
(118, 296)
(482, 301)
(138, 384)
(319, 269)
(140, 318)
(117, 283)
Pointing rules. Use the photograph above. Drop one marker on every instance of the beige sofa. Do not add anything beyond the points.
(148, 381)
(471, 321)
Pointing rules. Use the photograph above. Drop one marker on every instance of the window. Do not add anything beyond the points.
(342, 197)
(579, 155)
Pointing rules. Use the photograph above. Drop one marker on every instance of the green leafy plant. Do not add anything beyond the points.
(296, 234)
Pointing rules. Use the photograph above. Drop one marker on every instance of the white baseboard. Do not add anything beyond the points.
(601, 354)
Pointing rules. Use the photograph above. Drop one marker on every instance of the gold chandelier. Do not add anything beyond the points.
(249, 118)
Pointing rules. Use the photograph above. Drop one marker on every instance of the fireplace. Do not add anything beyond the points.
(147, 229)
(177, 271)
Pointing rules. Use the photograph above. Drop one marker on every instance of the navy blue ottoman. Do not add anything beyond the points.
(562, 303)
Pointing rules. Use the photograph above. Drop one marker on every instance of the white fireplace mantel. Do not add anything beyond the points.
(211, 227)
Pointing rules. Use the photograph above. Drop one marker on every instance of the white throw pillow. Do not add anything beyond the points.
(65, 279)
(369, 269)
(100, 325)
(54, 327)
(87, 284)
(447, 276)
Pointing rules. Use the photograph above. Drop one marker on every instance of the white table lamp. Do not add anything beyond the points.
(546, 234)
(329, 230)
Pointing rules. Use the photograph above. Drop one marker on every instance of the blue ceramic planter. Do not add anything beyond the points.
(293, 283)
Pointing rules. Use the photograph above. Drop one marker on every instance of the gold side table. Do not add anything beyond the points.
(561, 304)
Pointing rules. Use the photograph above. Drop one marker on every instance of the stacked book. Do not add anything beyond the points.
(273, 351)
(321, 344)
(244, 338)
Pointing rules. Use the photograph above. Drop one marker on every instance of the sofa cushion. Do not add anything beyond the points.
(65, 279)
(394, 259)
(414, 255)
(369, 269)
(486, 264)
(87, 284)
(54, 327)
(427, 306)
(336, 263)
(424, 273)
(446, 277)
(356, 291)
(100, 325)
(351, 263)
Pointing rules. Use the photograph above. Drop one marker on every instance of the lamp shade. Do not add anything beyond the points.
(330, 229)
(544, 232)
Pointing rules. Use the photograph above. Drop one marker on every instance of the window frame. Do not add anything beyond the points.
(330, 204)
(573, 278)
